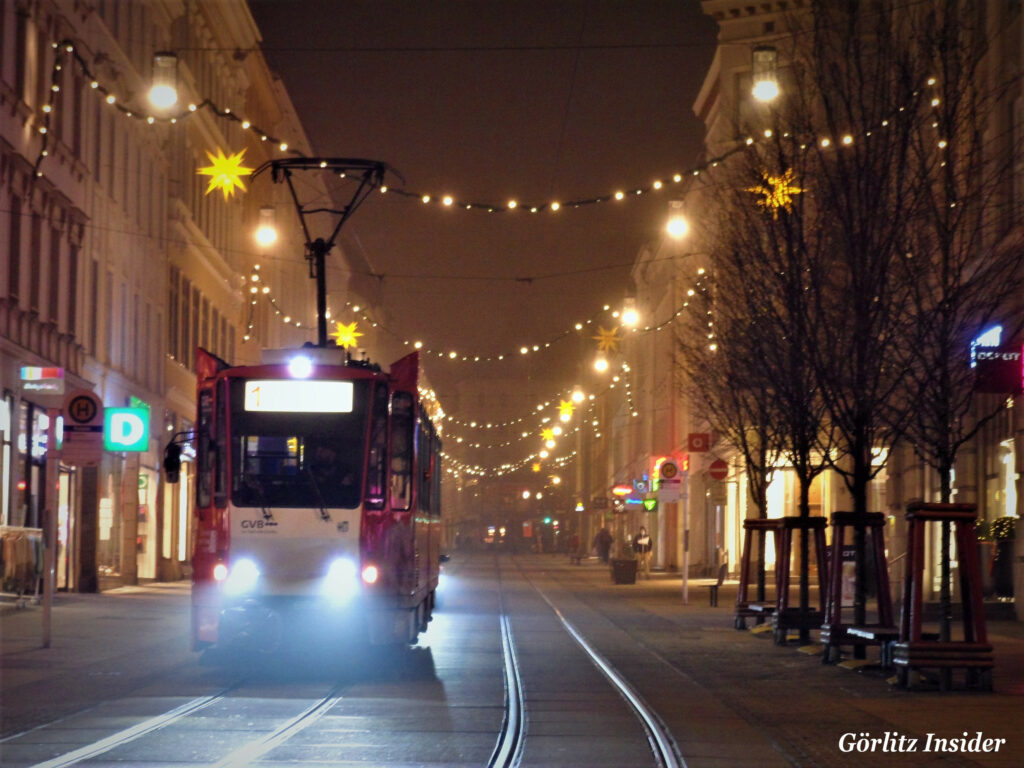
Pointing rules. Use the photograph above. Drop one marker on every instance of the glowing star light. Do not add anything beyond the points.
(225, 172)
(777, 192)
(607, 341)
(547, 434)
(345, 335)
(565, 409)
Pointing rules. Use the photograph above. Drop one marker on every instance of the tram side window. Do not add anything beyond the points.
(401, 450)
(424, 464)
(377, 465)
(219, 447)
(204, 456)
(435, 477)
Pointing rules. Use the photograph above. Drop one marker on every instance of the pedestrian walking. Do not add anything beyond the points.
(575, 550)
(603, 544)
(642, 546)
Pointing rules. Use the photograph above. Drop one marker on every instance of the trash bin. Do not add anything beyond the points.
(624, 571)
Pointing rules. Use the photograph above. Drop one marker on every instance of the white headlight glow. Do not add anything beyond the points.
(341, 581)
(242, 576)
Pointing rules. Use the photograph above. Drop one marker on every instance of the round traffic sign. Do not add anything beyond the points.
(719, 469)
(669, 469)
(83, 407)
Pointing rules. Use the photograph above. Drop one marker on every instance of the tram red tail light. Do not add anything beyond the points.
(370, 574)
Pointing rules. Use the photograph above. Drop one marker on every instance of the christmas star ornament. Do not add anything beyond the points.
(345, 335)
(777, 192)
(607, 341)
(565, 409)
(225, 172)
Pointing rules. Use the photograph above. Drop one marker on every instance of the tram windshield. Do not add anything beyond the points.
(298, 458)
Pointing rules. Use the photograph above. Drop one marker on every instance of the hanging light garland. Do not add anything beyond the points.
(66, 49)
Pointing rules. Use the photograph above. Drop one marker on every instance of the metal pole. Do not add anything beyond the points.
(686, 551)
(320, 249)
(50, 524)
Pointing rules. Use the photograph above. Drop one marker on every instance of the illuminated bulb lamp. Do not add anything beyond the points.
(766, 83)
(164, 92)
(266, 232)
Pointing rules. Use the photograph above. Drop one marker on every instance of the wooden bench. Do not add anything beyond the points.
(885, 638)
(975, 658)
(713, 588)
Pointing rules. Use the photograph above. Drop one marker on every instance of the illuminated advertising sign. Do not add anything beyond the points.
(298, 396)
(126, 429)
(49, 380)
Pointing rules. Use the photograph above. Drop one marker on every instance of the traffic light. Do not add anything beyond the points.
(172, 462)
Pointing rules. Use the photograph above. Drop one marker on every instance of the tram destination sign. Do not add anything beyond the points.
(298, 396)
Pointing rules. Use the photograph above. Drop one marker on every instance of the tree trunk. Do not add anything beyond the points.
(805, 552)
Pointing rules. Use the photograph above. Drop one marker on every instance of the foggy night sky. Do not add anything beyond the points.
(490, 101)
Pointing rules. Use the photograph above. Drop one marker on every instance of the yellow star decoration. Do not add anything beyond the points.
(225, 172)
(547, 434)
(565, 408)
(345, 335)
(536, 467)
(777, 192)
(607, 341)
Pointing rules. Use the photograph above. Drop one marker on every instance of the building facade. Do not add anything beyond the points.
(117, 259)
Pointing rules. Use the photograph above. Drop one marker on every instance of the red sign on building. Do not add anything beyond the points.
(698, 442)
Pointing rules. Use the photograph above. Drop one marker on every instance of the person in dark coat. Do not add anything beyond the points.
(603, 544)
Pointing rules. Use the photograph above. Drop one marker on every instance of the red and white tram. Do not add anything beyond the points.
(317, 498)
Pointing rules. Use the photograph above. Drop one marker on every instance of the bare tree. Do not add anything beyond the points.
(717, 344)
(966, 274)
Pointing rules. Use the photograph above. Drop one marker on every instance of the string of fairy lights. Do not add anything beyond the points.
(776, 192)
(66, 49)
(162, 117)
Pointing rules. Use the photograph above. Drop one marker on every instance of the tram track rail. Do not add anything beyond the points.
(512, 737)
(137, 731)
(663, 746)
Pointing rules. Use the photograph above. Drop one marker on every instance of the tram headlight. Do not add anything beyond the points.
(241, 577)
(341, 581)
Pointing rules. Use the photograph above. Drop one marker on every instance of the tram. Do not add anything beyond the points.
(317, 501)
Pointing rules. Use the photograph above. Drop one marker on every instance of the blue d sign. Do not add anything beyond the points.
(126, 429)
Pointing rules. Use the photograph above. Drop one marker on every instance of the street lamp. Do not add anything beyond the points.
(766, 82)
(678, 227)
(630, 317)
(164, 92)
(266, 232)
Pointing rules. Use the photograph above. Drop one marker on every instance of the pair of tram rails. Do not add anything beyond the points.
(317, 499)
